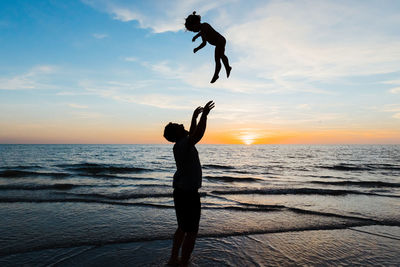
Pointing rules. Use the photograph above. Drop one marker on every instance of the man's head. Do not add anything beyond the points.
(173, 132)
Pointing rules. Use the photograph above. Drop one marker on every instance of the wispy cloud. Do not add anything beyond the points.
(100, 35)
(304, 106)
(131, 59)
(392, 82)
(35, 78)
(77, 106)
(394, 109)
(128, 92)
(313, 41)
(159, 16)
(200, 76)
(278, 47)
(280, 39)
(395, 90)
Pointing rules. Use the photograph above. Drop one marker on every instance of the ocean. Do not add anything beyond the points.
(58, 203)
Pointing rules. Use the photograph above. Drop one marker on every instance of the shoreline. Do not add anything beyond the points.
(364, 245)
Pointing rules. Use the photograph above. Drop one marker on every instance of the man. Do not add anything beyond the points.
(187, 181)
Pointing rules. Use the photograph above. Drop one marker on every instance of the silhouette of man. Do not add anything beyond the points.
(187, 181)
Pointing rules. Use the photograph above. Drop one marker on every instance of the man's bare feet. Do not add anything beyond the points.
(214, 78)
(183, 264)
(228, 71)
(173, 262)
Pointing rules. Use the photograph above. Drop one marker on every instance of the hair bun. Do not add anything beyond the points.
(194, 12)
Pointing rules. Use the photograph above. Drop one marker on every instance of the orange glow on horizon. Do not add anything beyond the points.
(94, 134)
(305, 137)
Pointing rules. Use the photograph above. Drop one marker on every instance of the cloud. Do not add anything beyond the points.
(132, 93)
(77, 106)
(304, 106)
(199, 77)
(35, 78)
(131, 59)
(158, 15)
(395, 90)
(100, 35)
(392, 108)
(313, 40)
(276, 46)
(396, 82)
(163, 101)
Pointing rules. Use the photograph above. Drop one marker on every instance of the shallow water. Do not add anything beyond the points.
(64, 196)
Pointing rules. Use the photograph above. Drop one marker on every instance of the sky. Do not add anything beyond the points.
(116, 72)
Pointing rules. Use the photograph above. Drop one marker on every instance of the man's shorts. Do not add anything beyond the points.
(187, 208)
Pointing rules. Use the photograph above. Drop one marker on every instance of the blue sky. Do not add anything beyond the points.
(118, 71)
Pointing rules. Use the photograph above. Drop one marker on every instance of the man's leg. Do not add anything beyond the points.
(187, 247)
(194, 214)
(178, 238)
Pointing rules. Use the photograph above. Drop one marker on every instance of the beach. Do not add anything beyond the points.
(358, 246)
(102, 205)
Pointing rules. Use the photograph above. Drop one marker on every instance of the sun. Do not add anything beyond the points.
(248, 138)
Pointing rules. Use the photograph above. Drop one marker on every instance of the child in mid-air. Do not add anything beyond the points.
(208, 34)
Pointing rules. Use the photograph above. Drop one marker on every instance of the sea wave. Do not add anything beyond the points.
(37, 186)
(215, 166)
(232, 179)
(358, 183)
(362, 167)
(295, 191)
(244, 207)
(95, 168)
(121, 196)
(11, 173)
(167, 236)
(22, 167)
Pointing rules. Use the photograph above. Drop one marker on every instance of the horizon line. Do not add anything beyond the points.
(333, 144)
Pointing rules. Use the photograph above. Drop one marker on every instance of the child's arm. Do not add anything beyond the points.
(196, 36)
(203, 44)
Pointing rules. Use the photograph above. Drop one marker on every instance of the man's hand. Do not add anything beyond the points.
(195, 50)
(209, 106)
(194, 38)
(197, 111)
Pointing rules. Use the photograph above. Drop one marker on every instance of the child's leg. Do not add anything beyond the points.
(217, 57)
(226, 64)
(224, 58)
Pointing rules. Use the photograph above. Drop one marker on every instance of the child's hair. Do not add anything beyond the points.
(191, 20)
(170, 132)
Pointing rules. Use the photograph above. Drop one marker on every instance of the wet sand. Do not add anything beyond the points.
(366, 246)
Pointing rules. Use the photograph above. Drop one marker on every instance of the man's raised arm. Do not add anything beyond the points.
(201, 126)
(193, 124)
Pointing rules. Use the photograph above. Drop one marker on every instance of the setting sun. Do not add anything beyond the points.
(248, 138)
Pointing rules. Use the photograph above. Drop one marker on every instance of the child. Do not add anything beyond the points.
(208, 34)
(187, 181)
